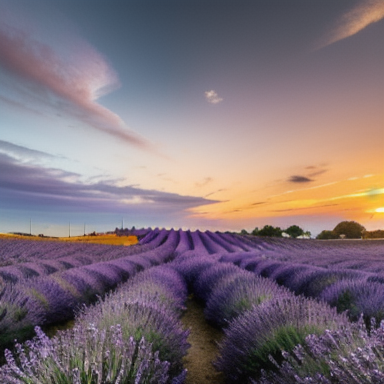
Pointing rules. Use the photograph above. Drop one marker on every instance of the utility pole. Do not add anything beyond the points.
(69, 229)
(84, 229)
(30, 227)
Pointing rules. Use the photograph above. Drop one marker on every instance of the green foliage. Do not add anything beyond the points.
(351, 229)
(345, 229)
(285, 338)
(270, 231)
(255, 232)
(378, 234)
(327, 235)
(294, 231)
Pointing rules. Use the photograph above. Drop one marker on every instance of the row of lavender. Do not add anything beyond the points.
(52, 298)
(367, 255)
(23, 259)
(273, 336)
(134, 335)
(48, 281)
(348, 290)
(186, 245)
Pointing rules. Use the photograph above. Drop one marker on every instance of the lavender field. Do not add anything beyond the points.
(290, 310)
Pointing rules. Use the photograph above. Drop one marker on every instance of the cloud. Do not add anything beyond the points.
(212, 97)
(304, 208)
(23, 153)
(30, 186)
(317, 172)
(214, 192)
(363, 14)
(66, 75)
(299, 179)
(206, 181)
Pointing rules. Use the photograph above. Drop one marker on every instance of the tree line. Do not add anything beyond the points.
(343, 230)
(271, 231)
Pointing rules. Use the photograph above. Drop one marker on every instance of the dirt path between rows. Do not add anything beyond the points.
(203, 350)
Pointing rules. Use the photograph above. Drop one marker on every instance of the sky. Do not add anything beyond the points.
(211, 115)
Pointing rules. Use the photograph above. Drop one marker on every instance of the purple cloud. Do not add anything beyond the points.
(24, 185)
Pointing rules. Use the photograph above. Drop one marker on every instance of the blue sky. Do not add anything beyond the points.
(216, 115)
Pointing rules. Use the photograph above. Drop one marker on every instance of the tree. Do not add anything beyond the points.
(243, 232)
(327, 235)
(270, 231)
(255, 232)
(294, 231)
(351, 229)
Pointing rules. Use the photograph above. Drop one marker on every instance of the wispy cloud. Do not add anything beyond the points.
(363, 14)
(23, 153)
(212, 97)
(206, 181)
(70, 81)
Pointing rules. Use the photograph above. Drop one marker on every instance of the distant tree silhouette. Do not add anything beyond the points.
(351, 229)
(270, 231)
(327, 235)
(294, 231)
(255, 232)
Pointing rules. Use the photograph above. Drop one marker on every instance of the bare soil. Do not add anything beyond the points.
(203, 351)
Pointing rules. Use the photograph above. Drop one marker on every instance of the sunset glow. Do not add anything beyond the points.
(194, 114)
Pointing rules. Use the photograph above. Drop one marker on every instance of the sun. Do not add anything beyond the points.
(379, 210)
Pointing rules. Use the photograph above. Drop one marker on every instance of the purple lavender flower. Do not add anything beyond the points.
(228, 301)
(269, 328)
(84, 355)
(311, 285)
(190, 266)
(208, 279)
(239, 257)
(349, 354)
(357, 297)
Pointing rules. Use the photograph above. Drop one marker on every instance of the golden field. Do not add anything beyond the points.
(110, 239)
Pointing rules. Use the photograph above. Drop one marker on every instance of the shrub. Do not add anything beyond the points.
(357, 297)
(84, 355)
(211, 277)
(349, 354)
(269, 328)
(230, 300)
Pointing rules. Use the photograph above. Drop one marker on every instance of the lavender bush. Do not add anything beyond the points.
(350, 354)
(357, 297)
(143, 309)
(313, 284)
(267, 330)
(190, 266)
(210, 277)
(18, 314)
(85, 355)
(231, 300)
